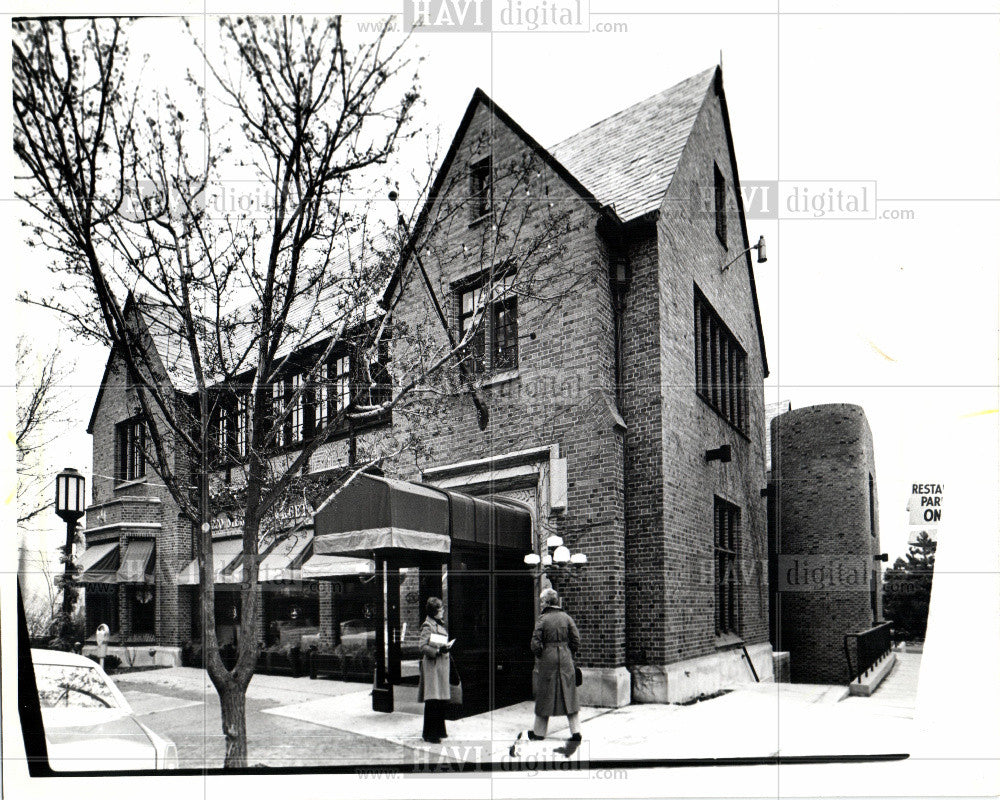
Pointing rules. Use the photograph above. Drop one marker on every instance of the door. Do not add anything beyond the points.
(491, 615)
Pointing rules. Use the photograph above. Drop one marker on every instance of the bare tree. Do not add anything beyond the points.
(123, 200)
(233, 315)
(40, 419)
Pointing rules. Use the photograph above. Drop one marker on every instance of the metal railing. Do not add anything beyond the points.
(870, 647)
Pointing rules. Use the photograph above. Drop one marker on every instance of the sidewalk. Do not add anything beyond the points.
(753, 721)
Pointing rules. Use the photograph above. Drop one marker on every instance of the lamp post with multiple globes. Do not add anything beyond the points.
(555, 560)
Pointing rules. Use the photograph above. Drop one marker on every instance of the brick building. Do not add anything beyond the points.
(651, 356)
(825, 536)
(605, 293)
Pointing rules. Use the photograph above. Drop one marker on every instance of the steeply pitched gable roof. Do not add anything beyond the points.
(628, 159)
(311, 319)
(479, 97)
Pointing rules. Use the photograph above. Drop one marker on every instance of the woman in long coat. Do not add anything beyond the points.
(554, 642)
(435, 663)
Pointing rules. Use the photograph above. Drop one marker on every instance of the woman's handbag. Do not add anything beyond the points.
(579, 676)
(454, 685)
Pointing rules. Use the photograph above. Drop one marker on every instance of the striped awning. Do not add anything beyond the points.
(224, 551)
(320, 566)
(282, 562)
(138, 562)
(99, 563)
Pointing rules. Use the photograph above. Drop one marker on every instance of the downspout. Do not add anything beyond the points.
(610, 229)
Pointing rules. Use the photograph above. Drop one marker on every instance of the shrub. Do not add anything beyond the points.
(111, 663)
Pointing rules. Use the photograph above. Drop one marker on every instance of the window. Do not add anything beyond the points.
(505, 333)
(288, 404)
(341, 380)
(101, 605)
(130, 444)
(142, 609)
(380, 388)
(720, 366)
(492, 318)
(294, 388)
(727, 535)
(222, 433)
(470, 303)
(242, 425)
(720, 206)
(278, 411)
(481, 187)
(321, 399)
(871, 503)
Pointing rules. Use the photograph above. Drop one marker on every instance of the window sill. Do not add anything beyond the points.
(728, 641)
(501, 377)
(133, 482)
(722, 416)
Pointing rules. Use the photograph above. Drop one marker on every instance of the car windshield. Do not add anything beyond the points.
(65, 686)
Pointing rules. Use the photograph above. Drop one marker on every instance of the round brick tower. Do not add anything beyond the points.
(825, 534)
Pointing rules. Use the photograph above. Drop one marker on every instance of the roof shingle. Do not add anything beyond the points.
(628, 159)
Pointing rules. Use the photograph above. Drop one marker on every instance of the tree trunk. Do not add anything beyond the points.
(232, 699)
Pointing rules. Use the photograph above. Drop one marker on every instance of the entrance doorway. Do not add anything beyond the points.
(491, 617)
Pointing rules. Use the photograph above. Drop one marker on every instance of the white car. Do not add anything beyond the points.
(89, 725)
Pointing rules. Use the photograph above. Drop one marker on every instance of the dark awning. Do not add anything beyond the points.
(137, 563)
(488, 520)
(99, 563)
(380, 514)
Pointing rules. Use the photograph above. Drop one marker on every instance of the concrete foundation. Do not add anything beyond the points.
(605, 687)
(687, 680)
(865, 685)
(782, 667)
(139, 656)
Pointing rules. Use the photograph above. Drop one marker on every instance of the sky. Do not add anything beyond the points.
(898, 316)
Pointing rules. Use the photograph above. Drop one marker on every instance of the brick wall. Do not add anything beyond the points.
(559, 394)
(653, 589)
(823, 457)
(690, 253)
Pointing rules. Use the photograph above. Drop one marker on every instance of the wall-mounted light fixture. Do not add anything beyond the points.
(723, 454)
(760, 247)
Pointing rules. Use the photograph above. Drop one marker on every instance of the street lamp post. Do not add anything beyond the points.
(70, 504)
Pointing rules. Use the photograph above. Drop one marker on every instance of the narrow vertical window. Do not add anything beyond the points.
(222, 433)
(726, 537)
(480, 189)
(342, 383)
(469, 318)
(321, 399)
(720, 206)
(242, 425)
(278, 411)
(504, 320)
(130, 447)
(871, 503)
(296, 397)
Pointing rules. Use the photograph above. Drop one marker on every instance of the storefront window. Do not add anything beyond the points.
(101, 603)
(142, 609)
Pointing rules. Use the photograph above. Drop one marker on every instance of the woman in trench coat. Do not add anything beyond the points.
(554, 642)
(435, 664)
